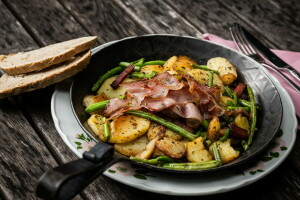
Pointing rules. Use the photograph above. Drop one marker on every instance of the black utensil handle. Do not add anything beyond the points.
(67, 180)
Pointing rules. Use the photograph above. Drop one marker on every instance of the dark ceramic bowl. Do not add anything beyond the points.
(153, 47)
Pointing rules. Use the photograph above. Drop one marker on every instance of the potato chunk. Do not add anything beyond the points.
(227, 153)
(92, 99)
(147, 69)
(133, 147)
(242, 122)
(111, 93)
(183, 65)
(170, 147)
(150, 147)
(213, 129)
(169, 63)
(227, 71)
(156, 128)
(225, 99)
(96, 122)
(127, 127)
(196, 152)
(202, 76)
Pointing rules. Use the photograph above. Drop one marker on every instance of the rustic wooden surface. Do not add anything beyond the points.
(30, 143)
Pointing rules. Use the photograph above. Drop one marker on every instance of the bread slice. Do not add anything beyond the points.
(36, 60)
(12, 85)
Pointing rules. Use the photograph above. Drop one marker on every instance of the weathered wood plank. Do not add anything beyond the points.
(36, 104)
(103, 18)
(13, 36)
(278, 21)
(208, 16)
(23, 156)
(46, 20)
(158, 17)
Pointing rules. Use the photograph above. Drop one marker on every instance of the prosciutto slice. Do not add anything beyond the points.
(205, 98)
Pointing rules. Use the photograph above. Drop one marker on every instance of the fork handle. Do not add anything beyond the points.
(293, 72)
(294, 85)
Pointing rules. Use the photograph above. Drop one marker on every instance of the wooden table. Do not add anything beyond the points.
(30, 144)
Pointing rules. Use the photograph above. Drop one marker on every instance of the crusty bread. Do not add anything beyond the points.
(42, 58)
(12, 85)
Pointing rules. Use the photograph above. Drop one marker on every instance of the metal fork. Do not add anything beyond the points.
(246, 48)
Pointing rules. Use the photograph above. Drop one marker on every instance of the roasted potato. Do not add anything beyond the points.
(242, 122)
(92, 99)
(225, 99)
(196, 151)
(227, 153)
(154, 130)
(227, 71)
(133, 147)
(213, 129)
(147, 69)
(170, 147)
(111, 93)
(202, 76)
(157, 153)
(127, 128)
(150, 147)
(96, 122)
(183, 65)
(169, 63)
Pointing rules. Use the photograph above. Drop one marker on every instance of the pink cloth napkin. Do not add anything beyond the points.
(290, 57)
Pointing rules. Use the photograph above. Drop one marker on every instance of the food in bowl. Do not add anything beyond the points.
(175, 114)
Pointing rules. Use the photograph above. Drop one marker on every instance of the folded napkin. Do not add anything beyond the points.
(290, 57)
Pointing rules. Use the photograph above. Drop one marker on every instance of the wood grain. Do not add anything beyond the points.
(30, 119)
(19, 140)
(277, 21)
(13, 37)
(158, 17)
(46, 20)
(104, 19)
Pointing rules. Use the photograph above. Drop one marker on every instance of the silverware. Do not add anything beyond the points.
(268, 54)
(244, 46)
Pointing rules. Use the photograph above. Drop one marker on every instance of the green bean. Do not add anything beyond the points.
(211, 79)
(142, 75)
(230, 103)
(162, 121)
(99, 105)
(217, 153)
(236, 107)
(106, 130)
(205, 123)
(247, 103)
(235, 99)
(228, 91)
(225, 136)
(155, 62)
(96, 106)
(137, 67)
(150, 161)
(105, 76)
(166, 159)
(204, 67)
(193, 166)
(139, 61)
(244, 145)
(198, 133)
(252, 114)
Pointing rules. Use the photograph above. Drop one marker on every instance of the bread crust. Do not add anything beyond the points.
(13, 85)
(80, 45)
